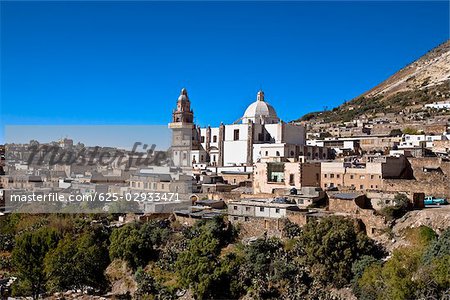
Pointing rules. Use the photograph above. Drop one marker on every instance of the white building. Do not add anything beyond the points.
(439, 105)
(258, 133)
(419, 140)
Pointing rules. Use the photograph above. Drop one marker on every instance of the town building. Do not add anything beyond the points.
(369, 173)
(439, 105)
(281, 174)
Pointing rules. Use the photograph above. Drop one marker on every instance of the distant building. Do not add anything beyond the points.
(439, 105)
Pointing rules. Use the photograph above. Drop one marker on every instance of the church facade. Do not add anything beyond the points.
(258, 134)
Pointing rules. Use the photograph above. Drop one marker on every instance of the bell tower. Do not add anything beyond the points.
(182, 127)
(183, 112)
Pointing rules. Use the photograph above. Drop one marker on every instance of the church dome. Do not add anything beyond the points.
(260, 112)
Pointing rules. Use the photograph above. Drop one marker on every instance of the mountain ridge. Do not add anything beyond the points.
(425, 80)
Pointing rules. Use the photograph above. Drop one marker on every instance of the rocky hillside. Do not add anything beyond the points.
(424, 81)
(430, 70)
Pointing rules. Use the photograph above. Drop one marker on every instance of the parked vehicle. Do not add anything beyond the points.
(430, 200)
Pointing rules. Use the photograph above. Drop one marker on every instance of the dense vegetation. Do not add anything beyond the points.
(58, 253)
(418, 271)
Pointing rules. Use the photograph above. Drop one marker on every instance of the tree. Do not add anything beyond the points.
(28, 258)
(330, 247)
(396, 132)
(146, 284)
(418, 271)
(129, 243)
(438, 248)
(398, 210)
(199, 267)
(77, 263)
(197, 264)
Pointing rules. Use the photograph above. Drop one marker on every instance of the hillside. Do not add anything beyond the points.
(424, 81)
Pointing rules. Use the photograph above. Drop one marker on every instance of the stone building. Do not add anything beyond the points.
(258, 217)
(431, 175)
(358, 206)
(277, 174)
(369, 174)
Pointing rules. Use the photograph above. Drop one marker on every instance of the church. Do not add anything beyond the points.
(258, 134)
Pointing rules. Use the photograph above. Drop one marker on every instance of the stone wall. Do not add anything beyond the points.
(435, 182)
(256, 227)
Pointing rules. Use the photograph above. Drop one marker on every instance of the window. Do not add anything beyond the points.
(235, 207)
(202, 139)
(236, 134)
(246, 219)
(324, 175)
(338, 175)
(278, 153)
(267, 153)
(361, 187)
(331, 175)
(362, 177)
(351, 176)
(275, 172)
(325, 185)
(277, 210)
(162, 186)
(292, 153)
(291, 179)
(371, 176)
(261, 209)
(247, 208)
(235, 218)
(387, 201)
(214, 138)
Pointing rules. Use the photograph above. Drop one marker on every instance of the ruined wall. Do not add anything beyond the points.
(432, 183)
(256, 227)
(342, 206)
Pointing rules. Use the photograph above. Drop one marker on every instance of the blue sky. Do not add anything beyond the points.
(125, 62)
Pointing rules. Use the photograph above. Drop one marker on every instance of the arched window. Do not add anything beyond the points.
(278, 153)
